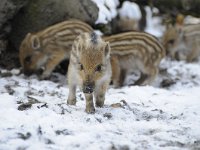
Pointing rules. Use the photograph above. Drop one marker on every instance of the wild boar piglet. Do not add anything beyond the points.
(90, 69)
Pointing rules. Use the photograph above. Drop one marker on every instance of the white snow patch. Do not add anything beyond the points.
(107, 10)
(153, 26)
(191, 20)
(130, 10)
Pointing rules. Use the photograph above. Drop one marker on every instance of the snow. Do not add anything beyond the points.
(130, 10)
(153, 26)
(107, 10)
(191, 20)
(150, 117)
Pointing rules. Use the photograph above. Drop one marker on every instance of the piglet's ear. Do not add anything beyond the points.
(35, 42)
(107, 50)
(28, 35)
(180, 19)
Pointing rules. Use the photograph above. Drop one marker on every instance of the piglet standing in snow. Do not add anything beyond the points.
(132, 51)
(182, 39)
(182, 42)
(90, 69)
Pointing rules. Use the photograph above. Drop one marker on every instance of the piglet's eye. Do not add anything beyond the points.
(98, 68)
(27, 59)
(81, 66)
(171, 41)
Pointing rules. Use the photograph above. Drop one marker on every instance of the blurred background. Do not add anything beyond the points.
(18, 17)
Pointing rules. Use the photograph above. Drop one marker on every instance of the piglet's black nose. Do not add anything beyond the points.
(88, 88)
(40, 71)
(27, 72)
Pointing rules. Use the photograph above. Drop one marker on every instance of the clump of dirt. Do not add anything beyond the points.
(28, 105)
(9, 89)
(120, 147)
(122, 104)
(63, 132)
(107, 115)
(167, 83)
(25, 136)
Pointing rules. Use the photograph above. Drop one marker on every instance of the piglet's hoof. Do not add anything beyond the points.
(71, 102)
(90, 110)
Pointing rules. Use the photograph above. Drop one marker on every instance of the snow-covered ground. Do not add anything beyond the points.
(34, 114)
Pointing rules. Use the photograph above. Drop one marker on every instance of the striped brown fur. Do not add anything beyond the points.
(47, 48)
(182, 42)
(134, 50)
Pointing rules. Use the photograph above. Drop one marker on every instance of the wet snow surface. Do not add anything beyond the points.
(34, 114)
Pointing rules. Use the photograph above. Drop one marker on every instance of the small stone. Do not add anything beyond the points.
(107, 115)
(116, 105)
(24, 106)
(24, 136)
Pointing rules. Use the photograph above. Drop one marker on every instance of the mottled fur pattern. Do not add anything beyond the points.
(47, 48)
(90, 69)
(182, 42)
(134, 50)
(124, 24)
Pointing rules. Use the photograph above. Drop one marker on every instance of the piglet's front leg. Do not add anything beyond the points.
(100, 93)
(89, 103)
(72, 86)
(51, 64)
(72, 95)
